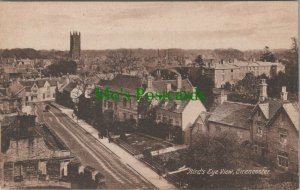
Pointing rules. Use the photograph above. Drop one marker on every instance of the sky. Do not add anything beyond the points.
(112, 25)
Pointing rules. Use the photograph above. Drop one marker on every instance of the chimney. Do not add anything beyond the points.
(169, 87)
(179, 82)
(223, 96)
(149, 82)
(283, 94)
(263, 90)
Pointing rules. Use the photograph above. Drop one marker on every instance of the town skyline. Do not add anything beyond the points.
(150, 25)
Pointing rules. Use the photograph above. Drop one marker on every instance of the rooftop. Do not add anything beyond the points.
(233, 114)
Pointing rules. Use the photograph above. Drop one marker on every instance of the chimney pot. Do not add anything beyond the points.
(283, 94)
(263, 90)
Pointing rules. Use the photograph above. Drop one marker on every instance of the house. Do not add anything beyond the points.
(274, 130)
(39, 90)
(231, 116)
(177, 113)
(122, 110)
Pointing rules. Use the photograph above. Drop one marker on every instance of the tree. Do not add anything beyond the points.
(120, 60)
(217, 152)
(199, 60)
(267, 55)
(63, 67)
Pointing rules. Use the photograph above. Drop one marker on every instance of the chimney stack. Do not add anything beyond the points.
(179, 82)
(283, 94)
(169, 87)
(223, 96)
(263, 90)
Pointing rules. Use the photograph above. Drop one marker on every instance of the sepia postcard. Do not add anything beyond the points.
(149, 95)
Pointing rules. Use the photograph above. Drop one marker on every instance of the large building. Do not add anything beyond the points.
(75, 45)
(231, 71)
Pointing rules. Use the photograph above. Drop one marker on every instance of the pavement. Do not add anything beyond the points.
(126, 158)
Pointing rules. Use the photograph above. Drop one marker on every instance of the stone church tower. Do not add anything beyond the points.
(75, 45)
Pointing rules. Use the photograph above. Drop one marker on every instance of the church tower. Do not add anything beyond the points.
(75, 45)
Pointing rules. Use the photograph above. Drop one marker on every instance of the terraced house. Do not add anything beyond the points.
(274, 130)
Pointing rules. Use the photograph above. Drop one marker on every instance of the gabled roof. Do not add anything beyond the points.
(173, 106)
(127, 82)
(292, 111)
(161, 85)
(232, 113)
(269, 107)
(40, 83)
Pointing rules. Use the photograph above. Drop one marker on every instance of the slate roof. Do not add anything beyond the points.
(127, 82)
(40, 83)
(232, 113)
(292, 111)
(161, 85)
(269, 107)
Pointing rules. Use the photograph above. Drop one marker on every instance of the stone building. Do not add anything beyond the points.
(32, 155)
(233, 70)
(32, 152)
(34, 90)
(122, 109)
(75, 45)
(274, 130)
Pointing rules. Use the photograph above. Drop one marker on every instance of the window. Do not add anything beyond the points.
(283, 136)
(124, 116)
(255, 149)
(232, 70)
(259, 130)
(110, 105)
(44, 96)
(171, 121)
(283, 159)
(26, 98)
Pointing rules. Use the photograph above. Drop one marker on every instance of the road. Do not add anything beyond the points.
(91, 152)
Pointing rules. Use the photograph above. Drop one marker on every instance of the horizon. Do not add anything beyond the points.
(149, 25)
(261, 49)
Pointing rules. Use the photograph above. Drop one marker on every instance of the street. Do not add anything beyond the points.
(91, 152)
